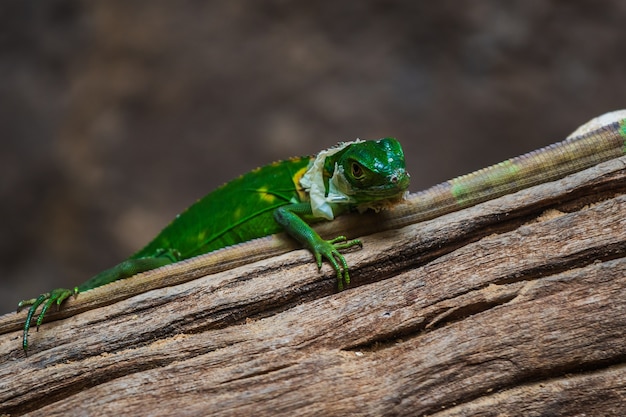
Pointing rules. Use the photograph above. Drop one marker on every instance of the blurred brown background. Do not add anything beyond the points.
(116, 115)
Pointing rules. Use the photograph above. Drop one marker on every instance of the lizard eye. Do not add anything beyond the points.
(357, 170)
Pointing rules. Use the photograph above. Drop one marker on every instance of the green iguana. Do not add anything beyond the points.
(290, 194)
(285, 195)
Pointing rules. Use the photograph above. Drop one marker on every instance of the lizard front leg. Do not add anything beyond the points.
(289, 217)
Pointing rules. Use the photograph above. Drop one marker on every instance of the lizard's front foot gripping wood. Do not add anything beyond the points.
(329, 250)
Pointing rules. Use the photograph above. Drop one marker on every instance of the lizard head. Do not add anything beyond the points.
(372, 173)
(365, 174)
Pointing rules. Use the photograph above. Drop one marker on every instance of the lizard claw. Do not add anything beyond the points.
(47, 299)
(329, 250)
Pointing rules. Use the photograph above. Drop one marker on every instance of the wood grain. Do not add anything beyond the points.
(514, 307)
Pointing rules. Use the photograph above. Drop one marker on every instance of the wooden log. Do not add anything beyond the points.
(514, 307)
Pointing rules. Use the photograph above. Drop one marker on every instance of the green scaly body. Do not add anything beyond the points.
(262, 202)
(240, 210)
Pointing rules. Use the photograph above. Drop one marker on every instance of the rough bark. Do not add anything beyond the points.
(514, 307)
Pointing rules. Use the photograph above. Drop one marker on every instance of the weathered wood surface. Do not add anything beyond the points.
(514, 307)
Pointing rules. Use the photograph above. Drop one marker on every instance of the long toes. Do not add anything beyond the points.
(338, 239)
(348, 244)
(341, 267)
(29, 318)
(346, 274)
(43, 311)
(25, 303)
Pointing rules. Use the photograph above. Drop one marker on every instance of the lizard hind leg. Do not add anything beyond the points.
(47, 299)
(122, 270)
(130, 267)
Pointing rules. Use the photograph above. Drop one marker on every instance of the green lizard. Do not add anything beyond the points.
(322, 199)
(286, 195)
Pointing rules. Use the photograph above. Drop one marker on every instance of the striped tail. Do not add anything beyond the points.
(543, 165)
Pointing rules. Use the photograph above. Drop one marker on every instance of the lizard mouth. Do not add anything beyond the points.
(400, 180)
(393, 188)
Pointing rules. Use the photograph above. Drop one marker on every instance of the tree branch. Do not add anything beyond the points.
(515, 306)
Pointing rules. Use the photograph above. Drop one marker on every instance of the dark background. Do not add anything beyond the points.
(116, 115)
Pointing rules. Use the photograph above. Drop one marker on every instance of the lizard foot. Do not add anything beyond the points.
(329, 250)
(55, 296)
